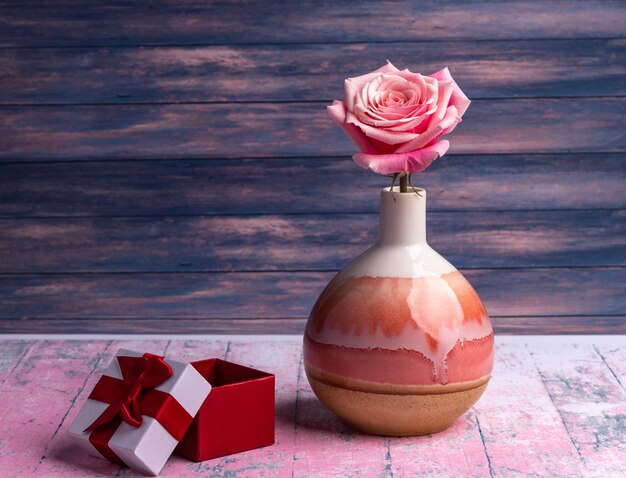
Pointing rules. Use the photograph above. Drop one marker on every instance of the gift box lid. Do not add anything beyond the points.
(139, 410)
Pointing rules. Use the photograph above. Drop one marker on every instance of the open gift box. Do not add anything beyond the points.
(238, 414)
(145, 406)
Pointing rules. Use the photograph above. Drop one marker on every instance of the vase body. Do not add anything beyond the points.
(399, 343)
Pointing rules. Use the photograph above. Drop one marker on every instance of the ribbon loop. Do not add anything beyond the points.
(139, 374)
(133, 397)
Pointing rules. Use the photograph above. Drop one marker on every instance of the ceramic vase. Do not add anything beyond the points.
(399, 343)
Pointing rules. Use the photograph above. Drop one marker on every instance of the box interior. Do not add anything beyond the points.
(221, 373)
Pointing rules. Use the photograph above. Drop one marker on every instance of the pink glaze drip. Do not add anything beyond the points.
(426, 327)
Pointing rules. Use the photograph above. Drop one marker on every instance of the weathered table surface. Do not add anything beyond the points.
(556, 406)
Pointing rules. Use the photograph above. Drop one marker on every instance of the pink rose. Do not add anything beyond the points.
(397, 117)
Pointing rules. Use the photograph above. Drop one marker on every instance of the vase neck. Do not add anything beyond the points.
(402, 217)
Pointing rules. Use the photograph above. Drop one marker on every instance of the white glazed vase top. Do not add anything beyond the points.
(399, 318)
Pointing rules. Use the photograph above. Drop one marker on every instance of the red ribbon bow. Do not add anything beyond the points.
(138, 374)
(133, 396)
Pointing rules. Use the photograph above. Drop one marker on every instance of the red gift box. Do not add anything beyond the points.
(139, 410)
(238, 414)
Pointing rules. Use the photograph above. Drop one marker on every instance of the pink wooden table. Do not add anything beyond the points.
(556, 407)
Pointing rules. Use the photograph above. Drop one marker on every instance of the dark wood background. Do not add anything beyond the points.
(170, 166)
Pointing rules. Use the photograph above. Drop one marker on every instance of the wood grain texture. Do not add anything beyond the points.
(184, 23)
(517, 401)
(505, 292)
(172, 167)
(615, 359)
(190, 350)
(305, 185)
(316, 445)
(11, 354)
(304, 72)
(292, 129)
(304, 242)
(590, 402)
(578, 324)
(528, 423)
(458, 452)
(511, 325)
(74, 365)
(299, 185)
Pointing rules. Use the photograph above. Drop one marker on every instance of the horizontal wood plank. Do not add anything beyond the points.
(304, 242)
(506, 292)
(305, 185)
(172, 167)
(304, 72)
(293, 129)
(612, 324)
(576, 324)
(174, 22)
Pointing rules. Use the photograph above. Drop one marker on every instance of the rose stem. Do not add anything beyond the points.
(403, 184)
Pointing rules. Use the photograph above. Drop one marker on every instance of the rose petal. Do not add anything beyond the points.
(443, 101)
(386, 136)
(351, 92)
(337, 112)
(388, 68)
(451, 120)
(457, 98)
(353, 86)
(389, 119)
(409, 162)
(414, 78)
(406, 124)
(447, 124)
(389, 112)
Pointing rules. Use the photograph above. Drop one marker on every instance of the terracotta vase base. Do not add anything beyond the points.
(396, 414)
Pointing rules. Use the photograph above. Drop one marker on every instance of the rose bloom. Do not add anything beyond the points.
(397, 117)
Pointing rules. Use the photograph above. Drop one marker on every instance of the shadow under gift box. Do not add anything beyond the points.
(238, 414)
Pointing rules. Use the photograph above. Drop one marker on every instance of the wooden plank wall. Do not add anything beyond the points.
(171, 167)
